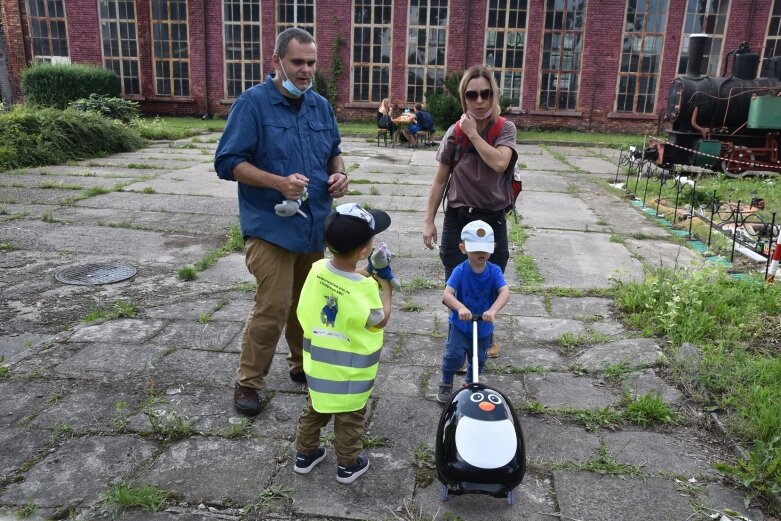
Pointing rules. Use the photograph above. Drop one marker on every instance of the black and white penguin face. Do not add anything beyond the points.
(484, 405)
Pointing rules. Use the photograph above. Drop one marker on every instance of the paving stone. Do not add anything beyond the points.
(18, 445)
(636, 352)
(647, 382)
(216, 470)
(584, 495)
(111, 361)
(91, 408)
(209, 336)
(79, 471)
(126, 331)
(658, 453)
(29, 398)
(579, 307)
(552, 442)
(557, 390)
(545, 329)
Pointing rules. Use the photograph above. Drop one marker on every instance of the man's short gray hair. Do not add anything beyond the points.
(288, 34)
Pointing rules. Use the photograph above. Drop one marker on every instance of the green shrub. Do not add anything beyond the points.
(445, 106)
(34, 137)
(112, 108)
(56, 85)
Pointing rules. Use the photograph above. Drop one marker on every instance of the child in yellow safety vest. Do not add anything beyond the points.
(342, 311)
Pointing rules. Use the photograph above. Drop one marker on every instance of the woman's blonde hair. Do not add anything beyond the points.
(479, 71)
(385, 106)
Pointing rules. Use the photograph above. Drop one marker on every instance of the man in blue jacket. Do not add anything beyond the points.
(281, 143)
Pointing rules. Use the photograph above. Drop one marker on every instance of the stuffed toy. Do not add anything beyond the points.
(288, 208)
(379, 262)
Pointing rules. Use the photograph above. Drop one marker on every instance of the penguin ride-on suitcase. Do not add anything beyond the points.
(479, 447)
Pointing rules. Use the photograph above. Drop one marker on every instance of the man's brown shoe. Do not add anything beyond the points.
(246, 400)
(493, 352)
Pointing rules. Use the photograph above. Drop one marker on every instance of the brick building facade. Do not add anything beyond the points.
(578, 64)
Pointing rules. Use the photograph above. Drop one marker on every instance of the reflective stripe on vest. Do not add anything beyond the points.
(332, 387)
(343, 358)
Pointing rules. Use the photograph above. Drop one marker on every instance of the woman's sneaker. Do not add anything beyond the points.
(350, 474)
(304, 464)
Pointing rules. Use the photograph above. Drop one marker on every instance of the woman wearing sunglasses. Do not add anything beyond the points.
(475, 176)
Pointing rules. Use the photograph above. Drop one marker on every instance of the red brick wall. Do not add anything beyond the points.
(465, 41)
(16, 48)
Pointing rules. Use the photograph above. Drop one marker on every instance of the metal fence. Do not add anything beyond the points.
(751, 233)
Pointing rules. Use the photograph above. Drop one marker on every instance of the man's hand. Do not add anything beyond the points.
(337, 185)
(292, 187)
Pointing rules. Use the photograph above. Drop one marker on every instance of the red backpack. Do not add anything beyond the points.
(461, 144)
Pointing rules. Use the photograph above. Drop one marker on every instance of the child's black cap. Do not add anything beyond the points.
(350, 226)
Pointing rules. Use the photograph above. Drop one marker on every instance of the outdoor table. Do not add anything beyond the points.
(403, 121)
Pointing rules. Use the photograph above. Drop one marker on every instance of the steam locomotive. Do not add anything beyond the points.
(728, 123)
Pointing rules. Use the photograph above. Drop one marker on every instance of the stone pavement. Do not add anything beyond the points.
(147, 399)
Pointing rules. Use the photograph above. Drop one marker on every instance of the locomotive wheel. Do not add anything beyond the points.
(734, 164)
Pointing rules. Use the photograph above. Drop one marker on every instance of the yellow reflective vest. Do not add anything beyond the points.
(341, 354)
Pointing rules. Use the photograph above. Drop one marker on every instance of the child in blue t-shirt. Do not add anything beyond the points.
(476, 288)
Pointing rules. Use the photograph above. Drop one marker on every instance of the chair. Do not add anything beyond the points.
(382, 133)
(423, 137)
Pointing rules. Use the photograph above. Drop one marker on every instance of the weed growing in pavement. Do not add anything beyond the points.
(268, 496)
(617, 372)
(598, 418)
(618, 239)
(327, 440)
(527, 271)
(27, 510)
(170, 427)
(234, 243)
(205, 318)
(5, 370)
(62, 430)
(121, 412)
(187, 273)
(411, 511)
(424, 464)
(147, 497)
(533, 407)
(119, 309)
(8, 246)
(247, 287)
(761, 472)
(242, 429)
(148, 190)
(604, 463)
(374, 190)
(648, 409)
(418, 283)
(372, 442)
(353, 193)
(408, 305)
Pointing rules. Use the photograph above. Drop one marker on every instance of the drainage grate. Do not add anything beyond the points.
(94, 274)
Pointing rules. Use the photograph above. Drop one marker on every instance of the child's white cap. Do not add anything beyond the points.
(478, 236)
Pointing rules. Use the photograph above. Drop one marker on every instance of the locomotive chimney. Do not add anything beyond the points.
(696, 51)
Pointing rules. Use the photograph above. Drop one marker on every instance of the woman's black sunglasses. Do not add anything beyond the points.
(472, 94)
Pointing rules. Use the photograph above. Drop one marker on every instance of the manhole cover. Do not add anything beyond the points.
(92, 274)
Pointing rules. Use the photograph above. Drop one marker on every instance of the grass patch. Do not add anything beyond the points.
(269, 496)
(604, 463)
(170, 427)
(648, 410)
(27, 510)
(234, 243)
(418, 283)
(120, 309)
(175, 127)
(425, 466)
(735, 323)
(242, 429)
(408, 305)
(146, 497)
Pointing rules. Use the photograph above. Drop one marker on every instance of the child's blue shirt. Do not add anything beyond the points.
(477, 291)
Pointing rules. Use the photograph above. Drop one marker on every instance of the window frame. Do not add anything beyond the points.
(707, 58)
(558, 74)
(121, 58)
(660, 22)
(432, 32)
(48, 21)
(767, 53)
(381, 69)
(280, 25)
(243, 62)
(171, 60)
(501, 73)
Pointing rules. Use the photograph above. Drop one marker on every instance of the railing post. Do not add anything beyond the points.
(735, 233)
(712, 213)
(770, 243)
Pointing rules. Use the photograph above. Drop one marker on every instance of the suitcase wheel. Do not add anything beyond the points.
(511, 497)
(443, 492)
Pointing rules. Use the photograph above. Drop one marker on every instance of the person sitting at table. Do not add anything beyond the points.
(421, 120)
(385, 117)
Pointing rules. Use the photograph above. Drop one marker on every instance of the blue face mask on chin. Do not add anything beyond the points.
(288, 85)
